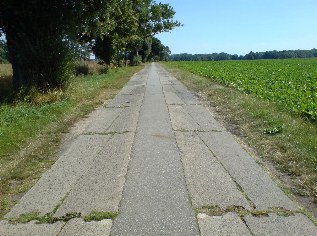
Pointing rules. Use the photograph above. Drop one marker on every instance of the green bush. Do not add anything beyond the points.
(137, 60)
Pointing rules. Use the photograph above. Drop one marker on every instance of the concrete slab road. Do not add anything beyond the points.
(157, 159)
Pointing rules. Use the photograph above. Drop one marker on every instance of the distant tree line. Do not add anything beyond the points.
(250, 56)
(44, 38)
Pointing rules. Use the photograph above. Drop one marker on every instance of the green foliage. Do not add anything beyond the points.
(154, 17)
(159, 52)
(3, 52)
(290, 82)
(273, 130)
(135, 23)
(136, 60)
(41, 36)
(44, 37)
(146, 49)
(103, 49)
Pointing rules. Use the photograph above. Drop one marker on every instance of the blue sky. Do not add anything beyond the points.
(241, 26)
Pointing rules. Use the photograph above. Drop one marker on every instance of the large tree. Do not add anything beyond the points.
(40, 34)
(111, 44)
(153, 18)
(136, 22)
(159, 51)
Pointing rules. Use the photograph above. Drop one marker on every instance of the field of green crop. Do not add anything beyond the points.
(292, 82)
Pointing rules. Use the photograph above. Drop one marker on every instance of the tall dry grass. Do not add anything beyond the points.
(89, 68)
(5, 81)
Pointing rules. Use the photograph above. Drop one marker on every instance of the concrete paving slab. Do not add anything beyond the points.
(126, 121)
(172, 99)
(193, 118)
(126, 90)
(101, 119)
(125, 100)
(280, 225)
(166, 82)
(181, 91)
(228, 224)
(138, 89)
(138, 79)
(78, 227)
(133, 87)
(174, 81)
(155, 199)
(53, 186)
(258, 186)
(168, 88)
(187, 97)
(181, 120)
(203, 118)
(30, 229)
(136, 85)
(208, 182)
(100, 189)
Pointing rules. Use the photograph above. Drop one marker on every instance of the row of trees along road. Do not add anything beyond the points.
(285, 54)
(43, 35)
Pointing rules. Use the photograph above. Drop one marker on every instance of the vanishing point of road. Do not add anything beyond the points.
(156, 156)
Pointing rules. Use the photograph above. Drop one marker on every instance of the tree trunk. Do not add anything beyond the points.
(16, 46)
(37, 49)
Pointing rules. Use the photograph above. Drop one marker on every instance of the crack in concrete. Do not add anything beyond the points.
(180, 156)
(246, 225)
(197, 131)
(107, 133)
(252, 204)
(116, 107)
(46, 219)
(133, 143)
(242, 212)
(50, 219)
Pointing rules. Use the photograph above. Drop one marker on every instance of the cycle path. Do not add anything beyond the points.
(156, 156)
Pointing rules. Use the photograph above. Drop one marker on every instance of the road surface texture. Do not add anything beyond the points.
(156, 156)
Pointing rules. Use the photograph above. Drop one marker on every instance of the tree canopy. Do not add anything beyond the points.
(136, 22)
(41, 35)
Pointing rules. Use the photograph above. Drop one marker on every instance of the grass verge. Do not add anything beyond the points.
(285, 143)
(30, 132)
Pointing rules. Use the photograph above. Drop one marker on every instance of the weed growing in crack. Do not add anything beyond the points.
(98, 216)
(46, 219)
(241, 211)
